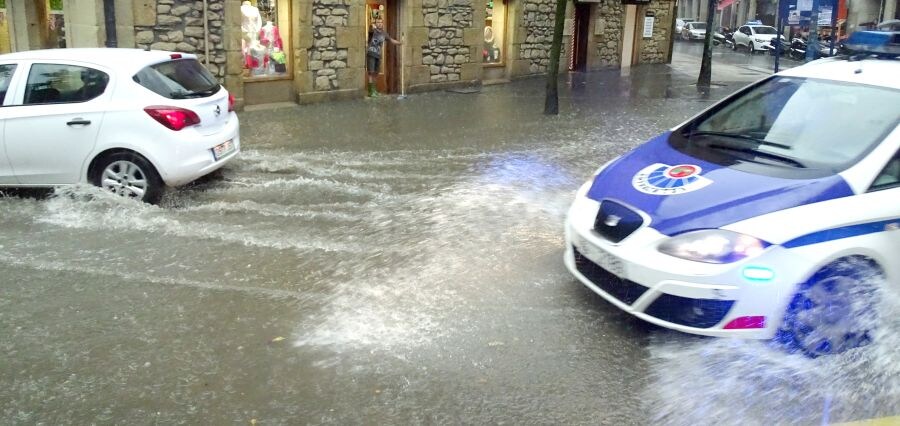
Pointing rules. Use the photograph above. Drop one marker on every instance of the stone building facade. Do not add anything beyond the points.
(319, 53)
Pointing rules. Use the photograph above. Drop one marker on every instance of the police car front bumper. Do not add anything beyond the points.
(688, 296)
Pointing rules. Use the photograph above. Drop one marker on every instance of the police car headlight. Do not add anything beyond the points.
(713, 246)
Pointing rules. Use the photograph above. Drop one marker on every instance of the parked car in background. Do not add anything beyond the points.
(694, 31)
(772, 214)
(754, 37)
(127, 120)
(680, 22)
(889, 25)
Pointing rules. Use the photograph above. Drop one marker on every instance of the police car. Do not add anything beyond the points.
(773, 214)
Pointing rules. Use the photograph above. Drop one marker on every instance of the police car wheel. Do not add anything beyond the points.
(834, 311)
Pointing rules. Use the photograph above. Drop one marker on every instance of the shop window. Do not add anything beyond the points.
(494, 32)
(264, 40)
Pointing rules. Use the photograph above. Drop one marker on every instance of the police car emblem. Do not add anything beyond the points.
(663, 179)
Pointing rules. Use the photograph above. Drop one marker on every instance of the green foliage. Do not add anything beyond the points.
(2, 4)
(56, 4)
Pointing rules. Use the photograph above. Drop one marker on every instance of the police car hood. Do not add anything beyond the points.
(683, 193)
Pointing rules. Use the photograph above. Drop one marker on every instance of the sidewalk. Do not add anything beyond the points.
(647, 97)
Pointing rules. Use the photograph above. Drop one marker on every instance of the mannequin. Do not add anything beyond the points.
(257, 58)
(271, 40)
(269, 36)
(251, 22)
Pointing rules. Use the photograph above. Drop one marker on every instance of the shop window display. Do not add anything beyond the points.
(494, 31)
(262, 43)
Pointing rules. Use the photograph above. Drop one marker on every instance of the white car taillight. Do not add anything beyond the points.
(173, 117)
(230, 102)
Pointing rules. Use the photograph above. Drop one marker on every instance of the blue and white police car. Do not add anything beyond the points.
(773, 214)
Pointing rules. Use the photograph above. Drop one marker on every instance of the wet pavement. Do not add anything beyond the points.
(387, 261)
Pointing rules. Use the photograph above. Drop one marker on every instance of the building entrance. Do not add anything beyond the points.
(387, 80)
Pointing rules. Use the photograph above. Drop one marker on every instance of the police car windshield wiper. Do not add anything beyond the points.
(740, 136)
(758, 153)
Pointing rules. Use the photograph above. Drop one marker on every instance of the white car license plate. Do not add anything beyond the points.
(601, 257)
(223, 149)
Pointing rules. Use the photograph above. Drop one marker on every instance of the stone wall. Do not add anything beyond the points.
(537, 20)
(611, 14)
(446, 50)
(325, 58)
(177, 25)
(655, 50)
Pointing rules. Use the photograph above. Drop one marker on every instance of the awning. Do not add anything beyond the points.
(723, 4)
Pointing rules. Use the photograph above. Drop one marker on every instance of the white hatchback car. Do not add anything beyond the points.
(127, 120)
(774, 213)
(754, 37)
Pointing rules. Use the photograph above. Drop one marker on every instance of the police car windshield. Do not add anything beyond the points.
(799, 122)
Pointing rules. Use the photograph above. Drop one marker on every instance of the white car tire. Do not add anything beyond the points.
(834, 311)
(751, 48)
(129, 175)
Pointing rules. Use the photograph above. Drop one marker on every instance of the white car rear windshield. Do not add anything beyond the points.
(698, 25)
(178, 79)
(798, 123)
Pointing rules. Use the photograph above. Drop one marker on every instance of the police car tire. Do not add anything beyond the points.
(834, 311)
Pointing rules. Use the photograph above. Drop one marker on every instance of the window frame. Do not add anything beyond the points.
(285, 31)
(504, 51)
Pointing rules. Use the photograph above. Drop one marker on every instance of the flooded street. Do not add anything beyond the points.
(384, 262)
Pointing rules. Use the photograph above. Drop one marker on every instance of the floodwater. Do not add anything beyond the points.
(390, 261)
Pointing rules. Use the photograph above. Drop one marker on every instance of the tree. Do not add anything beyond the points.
(705, 79)
(551, 100)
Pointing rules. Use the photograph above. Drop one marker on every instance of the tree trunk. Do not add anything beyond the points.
(551, 101)
(705, 79)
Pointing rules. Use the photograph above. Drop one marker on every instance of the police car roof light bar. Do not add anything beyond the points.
(878, 43)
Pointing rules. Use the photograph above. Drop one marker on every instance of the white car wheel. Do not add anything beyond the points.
(128, 175)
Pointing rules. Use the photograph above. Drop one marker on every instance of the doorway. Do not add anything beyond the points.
(388, 10)
(578, 59)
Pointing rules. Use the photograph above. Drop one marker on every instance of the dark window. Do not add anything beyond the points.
(179, 79)
(54, 84)
(890, 175)
(6, 74)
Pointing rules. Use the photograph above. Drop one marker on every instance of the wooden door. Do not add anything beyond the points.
(579, 50)
(387, 81)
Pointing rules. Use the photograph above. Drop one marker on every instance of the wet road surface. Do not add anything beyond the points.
(382, 262)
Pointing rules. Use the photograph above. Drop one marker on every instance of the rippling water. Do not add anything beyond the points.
(414, 276)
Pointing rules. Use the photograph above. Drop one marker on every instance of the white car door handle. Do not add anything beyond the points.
(79, 122)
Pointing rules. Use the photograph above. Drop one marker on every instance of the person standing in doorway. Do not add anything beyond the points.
(377, 36)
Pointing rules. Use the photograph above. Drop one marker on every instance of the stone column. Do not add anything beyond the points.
(85, 24)
(230, 12)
